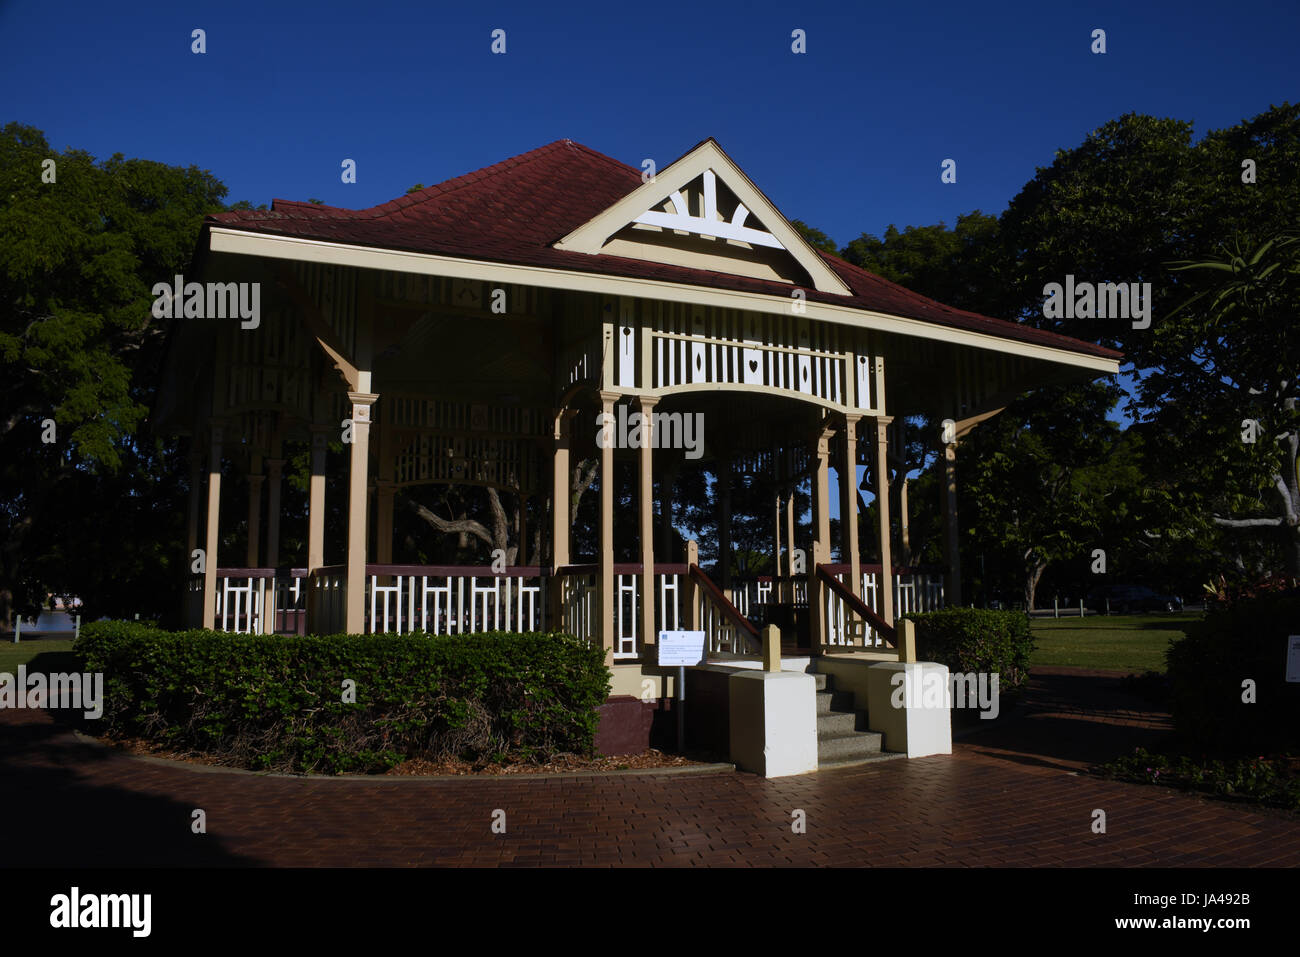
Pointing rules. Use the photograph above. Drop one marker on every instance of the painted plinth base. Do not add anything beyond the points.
(920, 724)
(774, 722)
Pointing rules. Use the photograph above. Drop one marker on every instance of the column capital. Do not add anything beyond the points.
(384, 487)
(647, 402)
(851, 420)
(273, 466)
(361, 403)
(563, 422)
(255, 478)
(609, 398)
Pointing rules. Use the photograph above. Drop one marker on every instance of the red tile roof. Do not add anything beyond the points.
(514, 211)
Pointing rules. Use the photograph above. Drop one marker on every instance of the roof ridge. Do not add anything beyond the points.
(473, 176)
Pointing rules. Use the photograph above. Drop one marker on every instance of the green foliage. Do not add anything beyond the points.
(1246, 639)
(1043, 480)
(1138, 201)
(1267, 781)
(972, 639)
(78, 345)
(275, 702)
(815, 237)
(959, 267)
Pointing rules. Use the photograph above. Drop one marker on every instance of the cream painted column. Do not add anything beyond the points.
(316, 498)
(561, 496)
(776, 526)
(607, 402)
(211, 539)
(789, 536)
(275, 475)
(849, 502)
(255, 482)
(196, 485)
(820, 552)
(886, 584)
(561, 502)
(646, 405)
(357, 490)
(384, 492)
(821, 490)
(952, 596)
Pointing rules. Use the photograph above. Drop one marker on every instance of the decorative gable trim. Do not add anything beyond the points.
(709, 162)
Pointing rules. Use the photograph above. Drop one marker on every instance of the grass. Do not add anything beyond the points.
(11, 655)
(1129, 643)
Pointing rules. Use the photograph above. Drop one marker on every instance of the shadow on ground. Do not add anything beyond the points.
(54, 818)
(1071, 721)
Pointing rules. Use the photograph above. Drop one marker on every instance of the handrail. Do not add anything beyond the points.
(858, 606)
(839, 569)
(724, 604)
(457, 571)
(284, 571)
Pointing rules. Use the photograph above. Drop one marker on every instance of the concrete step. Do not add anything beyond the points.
(822, 681)
(836, 722)
(829, 764)
(828, 701)
(851, 744)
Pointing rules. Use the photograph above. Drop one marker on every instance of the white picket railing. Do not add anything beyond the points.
(913, 592)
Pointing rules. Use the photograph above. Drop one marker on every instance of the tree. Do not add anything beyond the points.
(815, 237)
(1238, 359)
(1134, 201)
(959, 267)
(79, 253)
(1037, 479)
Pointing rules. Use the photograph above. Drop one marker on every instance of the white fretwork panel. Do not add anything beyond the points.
(697, 345)
(674, 214)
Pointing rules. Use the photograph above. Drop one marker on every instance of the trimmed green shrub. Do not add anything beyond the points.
(1246, 639)
(975, 639)
(1271, 782)
(278, 703)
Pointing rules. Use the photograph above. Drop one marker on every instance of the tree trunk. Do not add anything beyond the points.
(1034, 575)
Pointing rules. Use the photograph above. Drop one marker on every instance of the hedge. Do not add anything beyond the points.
(975, 639)
(1246, 639)
(278, 702)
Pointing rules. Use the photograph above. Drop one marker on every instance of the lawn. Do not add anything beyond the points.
(1128, 643)
(12, 655)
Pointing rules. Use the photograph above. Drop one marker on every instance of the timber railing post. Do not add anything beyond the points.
(692, 590)
(906, 641)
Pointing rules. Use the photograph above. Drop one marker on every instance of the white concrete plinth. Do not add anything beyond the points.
(913, 713)
(774, 722)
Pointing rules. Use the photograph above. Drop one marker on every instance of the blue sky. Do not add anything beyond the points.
(848, 136)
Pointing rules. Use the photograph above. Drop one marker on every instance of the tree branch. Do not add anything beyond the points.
(460, 526)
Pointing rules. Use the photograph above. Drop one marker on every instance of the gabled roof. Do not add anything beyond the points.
(516, 211)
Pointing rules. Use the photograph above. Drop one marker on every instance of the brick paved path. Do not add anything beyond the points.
(1007, 796)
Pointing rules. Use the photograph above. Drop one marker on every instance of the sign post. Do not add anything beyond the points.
(682, 649)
